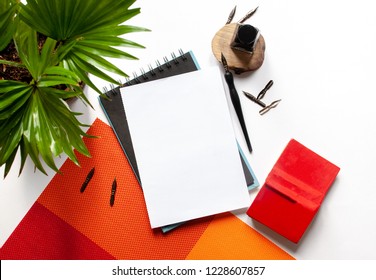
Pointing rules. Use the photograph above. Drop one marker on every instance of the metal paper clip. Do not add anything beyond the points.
(257, 100)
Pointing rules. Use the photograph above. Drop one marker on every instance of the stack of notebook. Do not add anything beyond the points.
(174, 126)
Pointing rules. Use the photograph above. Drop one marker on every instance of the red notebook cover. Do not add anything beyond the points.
(293, 191)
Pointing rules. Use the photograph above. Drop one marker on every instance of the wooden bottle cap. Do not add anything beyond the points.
(237, 60)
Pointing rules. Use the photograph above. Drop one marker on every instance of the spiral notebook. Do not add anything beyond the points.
(114, 109)
(185, 146)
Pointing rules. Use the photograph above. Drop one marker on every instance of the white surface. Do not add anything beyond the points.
(321, 56)
(185, 147)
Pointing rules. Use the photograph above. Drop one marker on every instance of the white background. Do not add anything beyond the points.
(321, 56)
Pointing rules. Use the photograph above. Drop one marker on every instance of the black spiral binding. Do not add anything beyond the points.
(144, 76)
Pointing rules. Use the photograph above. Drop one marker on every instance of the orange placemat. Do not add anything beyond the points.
(123, 230)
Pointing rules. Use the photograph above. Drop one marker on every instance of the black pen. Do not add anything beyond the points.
(87, 180)
(113, 191)
(235, 100)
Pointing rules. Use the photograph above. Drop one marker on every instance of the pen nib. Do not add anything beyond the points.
(231, 16)
(113, 191)
(248, 15)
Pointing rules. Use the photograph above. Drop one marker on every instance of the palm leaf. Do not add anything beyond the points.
(110, 41)
(115, 31)
(8, 21)
(85, 28)
(99, 61)
(115, 15)
(41, 125)
(61, 71)
(69, 64)
(89, 67)
(12, 63)
(26, 43)
(61, 20)
(55, 126)
(101, 50)
(14, 101)
(51, 81)
(6, 86)
(65, 94)
(9, 163)
(47, 57)
(34, 118)
(10, 138)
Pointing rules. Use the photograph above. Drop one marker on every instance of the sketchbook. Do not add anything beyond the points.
(185, 147)
(113, 108)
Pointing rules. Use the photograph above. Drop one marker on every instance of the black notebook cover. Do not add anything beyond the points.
(114, 109)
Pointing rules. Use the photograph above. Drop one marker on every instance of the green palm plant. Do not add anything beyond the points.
(78, 35)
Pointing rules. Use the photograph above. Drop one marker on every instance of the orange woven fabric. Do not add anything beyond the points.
(123, 230)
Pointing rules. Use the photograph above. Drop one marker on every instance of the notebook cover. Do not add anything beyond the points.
(293, 191)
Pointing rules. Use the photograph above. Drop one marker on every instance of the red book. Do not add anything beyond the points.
(293, 191)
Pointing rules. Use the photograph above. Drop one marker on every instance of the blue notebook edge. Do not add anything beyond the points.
(255, 181)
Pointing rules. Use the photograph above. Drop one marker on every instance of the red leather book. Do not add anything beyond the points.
(293, 191)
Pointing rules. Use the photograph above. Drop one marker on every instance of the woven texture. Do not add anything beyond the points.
(67, 224)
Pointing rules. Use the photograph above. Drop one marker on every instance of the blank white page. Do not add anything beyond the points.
(185, 147)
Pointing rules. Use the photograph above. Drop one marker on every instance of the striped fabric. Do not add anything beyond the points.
(67, 224)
